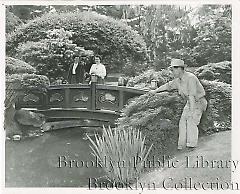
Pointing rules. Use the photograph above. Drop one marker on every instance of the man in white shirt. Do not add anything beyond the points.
(98, 69)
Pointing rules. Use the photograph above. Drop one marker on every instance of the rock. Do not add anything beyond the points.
(22, 123)
(16, 137)
(25, 117)
(10, 125)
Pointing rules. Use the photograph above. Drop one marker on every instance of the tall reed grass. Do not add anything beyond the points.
(122, 152)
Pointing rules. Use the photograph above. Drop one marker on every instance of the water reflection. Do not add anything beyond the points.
(33, 162)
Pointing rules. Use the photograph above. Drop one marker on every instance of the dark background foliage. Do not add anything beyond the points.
(198, 35)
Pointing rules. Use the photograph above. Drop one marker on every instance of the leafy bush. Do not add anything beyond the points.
(124, 147)
(12, 22)
(221, 71)
(157, 116)
(186, 55)
(113, 39)
(29, 81)
(14, 66)
(213, 43)
(20, 75)
(219, 96)
(52, 56)
(143, 80)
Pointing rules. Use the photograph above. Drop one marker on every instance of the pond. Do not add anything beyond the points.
(34, 162)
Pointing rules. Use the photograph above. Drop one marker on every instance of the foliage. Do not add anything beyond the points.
(219, 96)
(20, 75)
(197, 35)
(186, 55)
(143, 80)
(213, 41)
(157, 116)
(221, 72)
(165, 28)
(112, 39)
(27, 12)
(29, 81)
(12, 22)
(14, 66)
(120, 146)
(52, 56)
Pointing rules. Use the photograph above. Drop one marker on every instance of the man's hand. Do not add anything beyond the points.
(152, 92)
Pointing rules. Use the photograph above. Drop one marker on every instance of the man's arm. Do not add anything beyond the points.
(166, 87)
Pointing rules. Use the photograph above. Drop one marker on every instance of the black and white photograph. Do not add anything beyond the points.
(128, 96)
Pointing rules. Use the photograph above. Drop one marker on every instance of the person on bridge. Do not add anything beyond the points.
(190, 88)
(98, 69)
(76, 71)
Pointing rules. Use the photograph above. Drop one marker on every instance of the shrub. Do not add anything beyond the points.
(186, 55)
(219, 96)
(14, 66)
(213, 43)
(52, 56)
(157, 116)
(12, 22)
(120, 146)
(221, 72)
(20, 75)
(113, 39)
(144, 80)
(29, 81)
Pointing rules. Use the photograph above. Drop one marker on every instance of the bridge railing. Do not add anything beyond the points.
(89, 96)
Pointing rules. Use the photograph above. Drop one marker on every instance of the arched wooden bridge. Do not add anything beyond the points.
(97, 102)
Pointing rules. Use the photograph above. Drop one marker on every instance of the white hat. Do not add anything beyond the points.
(177, 63)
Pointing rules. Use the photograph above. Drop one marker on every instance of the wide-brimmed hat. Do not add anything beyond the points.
(177, 63)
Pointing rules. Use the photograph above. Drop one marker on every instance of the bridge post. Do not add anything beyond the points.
(67, 98)
(121, 100)
(93, 92)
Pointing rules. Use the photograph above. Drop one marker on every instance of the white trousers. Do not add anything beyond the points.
(188, 124)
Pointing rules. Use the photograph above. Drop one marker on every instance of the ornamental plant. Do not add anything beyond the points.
(21, 75)
(123, 146)
(221, 72)
(53, 55)
(113, 39)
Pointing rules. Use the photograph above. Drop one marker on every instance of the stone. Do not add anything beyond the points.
(26, 117)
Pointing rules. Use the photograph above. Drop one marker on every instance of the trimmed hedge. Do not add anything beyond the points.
(14, 66)
(21, 75)
(143, 80)
(113, 39)
(221, 71)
